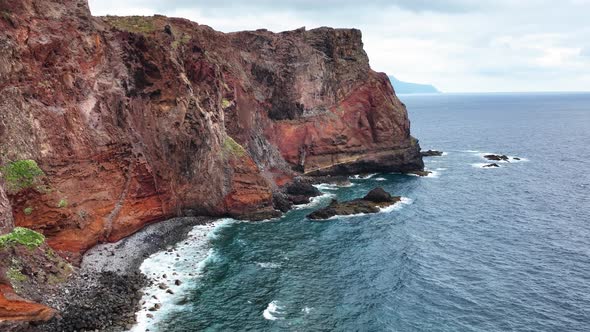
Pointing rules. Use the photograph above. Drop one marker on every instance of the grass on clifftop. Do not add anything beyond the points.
(21, 174)
(136, 24)
(22, 236)
(232, 148)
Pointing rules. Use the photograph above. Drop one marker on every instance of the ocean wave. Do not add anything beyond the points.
(272, 311)
(397, 206)
(314, 201)
(380, 179)
(362, 177)
(175, 263)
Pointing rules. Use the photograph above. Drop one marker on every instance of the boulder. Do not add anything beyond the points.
(491, 165)
(378, 195)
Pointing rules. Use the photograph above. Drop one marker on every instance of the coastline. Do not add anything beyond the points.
(106, 292)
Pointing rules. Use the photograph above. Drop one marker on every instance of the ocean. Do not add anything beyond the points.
(468, 249)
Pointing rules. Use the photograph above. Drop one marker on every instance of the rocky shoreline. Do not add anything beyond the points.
(106, 291)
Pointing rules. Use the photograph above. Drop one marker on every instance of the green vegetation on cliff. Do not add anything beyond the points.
(232, 148)
(21, 174)
(136, 24)
(22, 236)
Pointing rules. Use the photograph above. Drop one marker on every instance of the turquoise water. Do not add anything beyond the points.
(472, 249)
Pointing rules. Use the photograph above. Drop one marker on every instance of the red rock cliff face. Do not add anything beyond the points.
(137, 119)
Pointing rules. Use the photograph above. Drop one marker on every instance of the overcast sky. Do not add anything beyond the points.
(457, 45)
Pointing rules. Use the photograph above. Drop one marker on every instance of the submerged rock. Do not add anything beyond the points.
(431, 153)
(373, 202)
(496, 157)
(491, 165)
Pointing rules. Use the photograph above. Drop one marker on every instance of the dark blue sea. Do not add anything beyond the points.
(469, 249)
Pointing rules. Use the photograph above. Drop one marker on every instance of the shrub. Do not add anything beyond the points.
(21, 174)
(63, 203)
(28, 211)
(232, 148)
(15, 275)
(225, 103)
(22, 236)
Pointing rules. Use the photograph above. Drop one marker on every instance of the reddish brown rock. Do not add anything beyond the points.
(133, 122)
(16, 308)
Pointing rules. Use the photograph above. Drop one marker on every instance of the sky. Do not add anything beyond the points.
(456, 45)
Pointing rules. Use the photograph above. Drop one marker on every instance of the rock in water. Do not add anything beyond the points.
(373, 202)
(420, 173)
(431, 153)
(496, 157)
(378, 195)
(491, 165)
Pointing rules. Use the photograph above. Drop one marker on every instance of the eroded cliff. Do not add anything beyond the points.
(138, 119)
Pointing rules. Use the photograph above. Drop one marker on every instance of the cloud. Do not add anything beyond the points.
(457, 45)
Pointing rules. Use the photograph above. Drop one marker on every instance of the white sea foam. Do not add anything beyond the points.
(363, 176)
(272, 311)
(433, 174)
(268, 265)
(397, 206)
(441, 169)
(306, 310)
(176, 263)
(380, 179)
(314, 201)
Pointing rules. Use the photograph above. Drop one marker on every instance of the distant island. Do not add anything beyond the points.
(407, 87)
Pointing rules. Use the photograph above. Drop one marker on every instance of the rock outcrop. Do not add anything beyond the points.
(137, 119)
(373, 202)
(431, 153)
(496, 157)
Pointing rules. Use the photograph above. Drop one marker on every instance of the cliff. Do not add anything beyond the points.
(133, 120)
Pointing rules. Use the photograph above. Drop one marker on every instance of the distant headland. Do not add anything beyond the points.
(407, 87)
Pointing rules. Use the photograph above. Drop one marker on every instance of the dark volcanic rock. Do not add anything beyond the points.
(299, 188)
(299, 192)
(378, 195)
(371, 203)
(491, 165)
(431, 153)
(496, 157)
